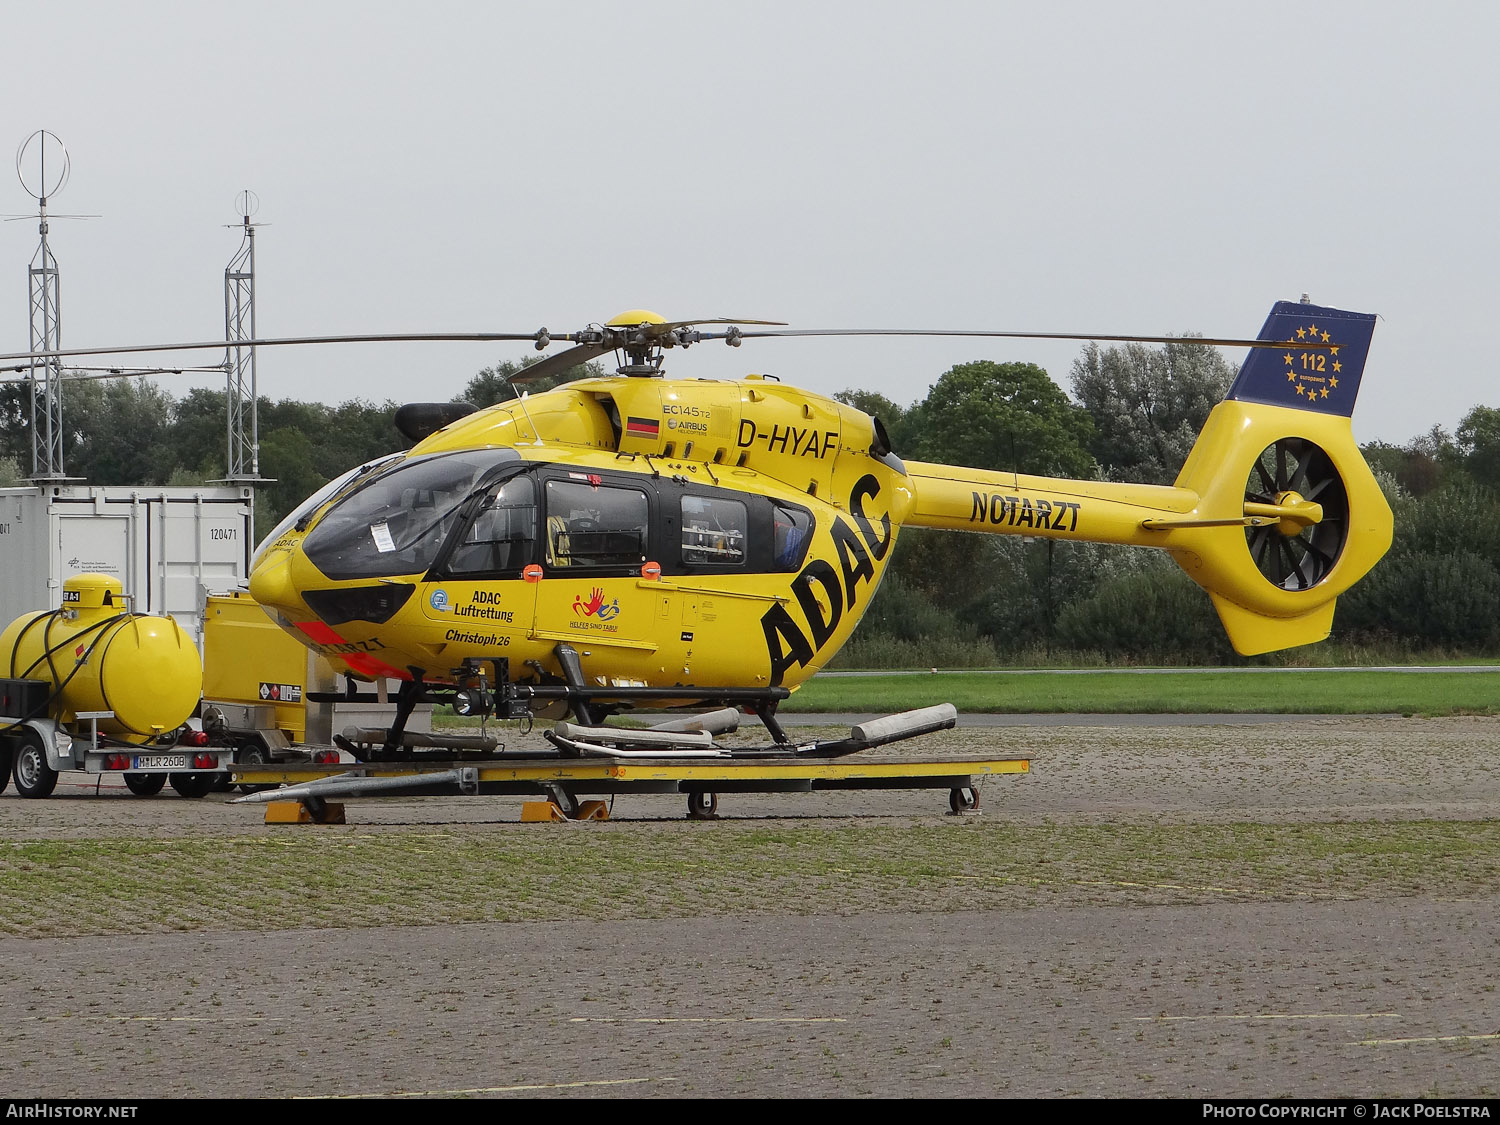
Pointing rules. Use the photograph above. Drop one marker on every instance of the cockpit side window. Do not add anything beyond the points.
(502, 536)
(792, 532)
(595, 524)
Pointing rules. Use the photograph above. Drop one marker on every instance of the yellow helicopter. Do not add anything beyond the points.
(643, 541)
(639, 540)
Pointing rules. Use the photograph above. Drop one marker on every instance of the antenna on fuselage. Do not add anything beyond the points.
(535, 433)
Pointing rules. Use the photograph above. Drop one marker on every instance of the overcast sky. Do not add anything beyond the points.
(1144, 167)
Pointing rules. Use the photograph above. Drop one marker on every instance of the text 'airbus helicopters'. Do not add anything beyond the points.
(643, 541)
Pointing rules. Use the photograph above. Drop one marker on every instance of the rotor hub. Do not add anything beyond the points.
(1300, 511)
(1298, 514)
(1291, 512)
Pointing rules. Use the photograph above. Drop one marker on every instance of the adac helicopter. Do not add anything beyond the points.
(638, 540)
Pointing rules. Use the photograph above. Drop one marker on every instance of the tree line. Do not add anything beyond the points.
(949, 599)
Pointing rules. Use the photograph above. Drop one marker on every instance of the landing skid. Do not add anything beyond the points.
(473, 692)
(573, 740)
(692, 737)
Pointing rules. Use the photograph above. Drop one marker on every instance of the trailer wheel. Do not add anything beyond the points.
(702, 805)
(965, 799)
(145, 784)
(34, 777)
(192, 784)
(253, 754)
(6, 754)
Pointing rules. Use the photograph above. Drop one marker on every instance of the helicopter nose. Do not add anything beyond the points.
(271, 583)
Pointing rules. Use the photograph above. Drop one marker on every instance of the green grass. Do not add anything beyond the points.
(1311, 691)
(342, 878)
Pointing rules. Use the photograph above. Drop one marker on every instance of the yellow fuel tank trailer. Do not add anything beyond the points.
(101, 657)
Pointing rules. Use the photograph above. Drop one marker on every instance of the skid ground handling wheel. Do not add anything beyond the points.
(702, 804)
(964, 799)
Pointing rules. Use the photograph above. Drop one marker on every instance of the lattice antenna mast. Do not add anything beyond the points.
(44, 175)
(239, 325)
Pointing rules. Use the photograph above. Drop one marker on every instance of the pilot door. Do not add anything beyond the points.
(479, 594)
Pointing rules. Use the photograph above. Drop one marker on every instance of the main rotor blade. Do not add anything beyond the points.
(671, 325)
(381, 338)
(1081, 336)
(585, 352)
(558, 362)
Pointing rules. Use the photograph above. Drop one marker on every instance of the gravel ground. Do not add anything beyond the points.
(1103, 994)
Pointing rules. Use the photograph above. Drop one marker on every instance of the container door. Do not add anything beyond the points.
(27, 544)
(193, 547)
(94, 544)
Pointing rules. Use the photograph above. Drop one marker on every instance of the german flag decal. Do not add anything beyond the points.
(642, 427)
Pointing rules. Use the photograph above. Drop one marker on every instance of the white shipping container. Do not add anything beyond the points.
(167, 546)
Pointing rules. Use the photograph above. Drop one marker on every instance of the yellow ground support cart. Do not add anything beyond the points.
(563, 784)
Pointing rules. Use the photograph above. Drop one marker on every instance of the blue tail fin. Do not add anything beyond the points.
(1325, 378)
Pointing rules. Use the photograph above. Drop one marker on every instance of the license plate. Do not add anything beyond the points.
(160, 761)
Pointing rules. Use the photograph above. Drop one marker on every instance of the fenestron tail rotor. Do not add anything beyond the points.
(1297, 482)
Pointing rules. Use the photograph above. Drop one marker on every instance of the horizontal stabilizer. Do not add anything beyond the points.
(1253, 633)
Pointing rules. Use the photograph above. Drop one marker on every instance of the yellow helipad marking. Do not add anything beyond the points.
(707, 1019)
(520, 1088)
(1275, 1016)
(1420, 1039)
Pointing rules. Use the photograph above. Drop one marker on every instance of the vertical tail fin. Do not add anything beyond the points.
(1321, 367)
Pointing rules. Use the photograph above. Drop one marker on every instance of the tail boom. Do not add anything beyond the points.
(953, 498)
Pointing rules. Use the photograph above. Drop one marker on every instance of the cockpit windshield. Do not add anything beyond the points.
(304, 511)
(396, 523)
